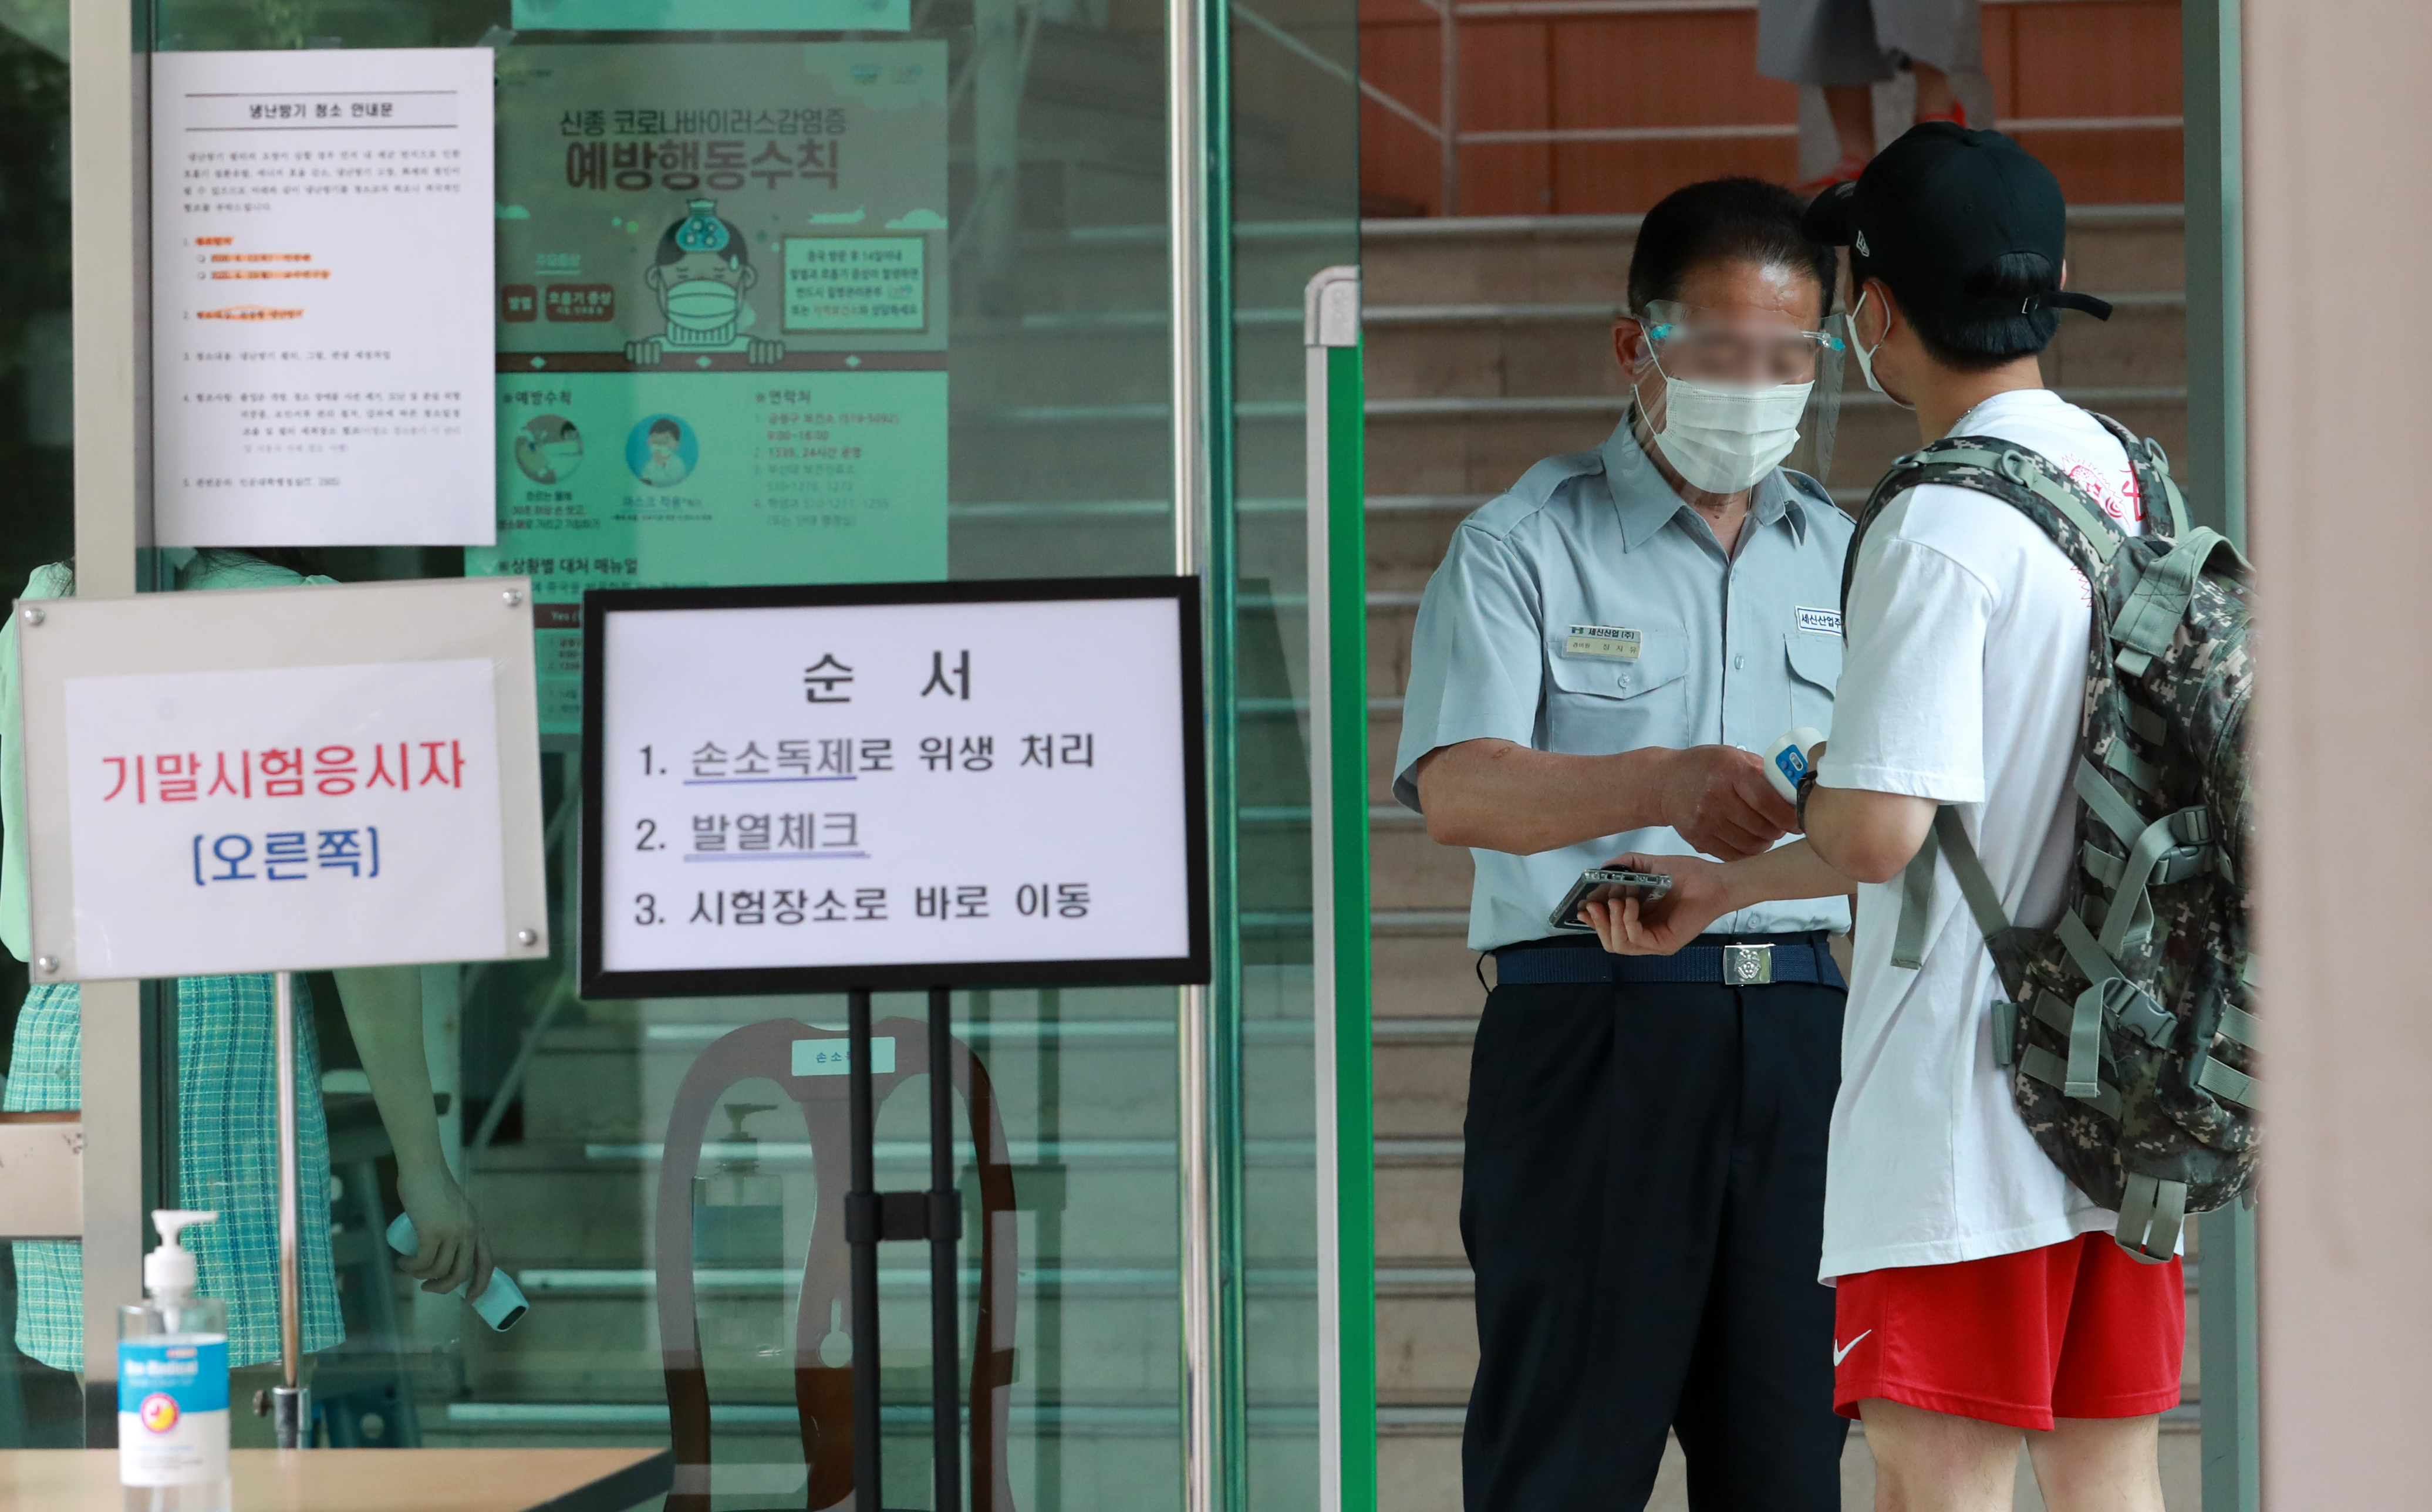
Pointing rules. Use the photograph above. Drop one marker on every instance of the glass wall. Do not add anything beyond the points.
(827, 305)
(38, 1405)
(1295, 191)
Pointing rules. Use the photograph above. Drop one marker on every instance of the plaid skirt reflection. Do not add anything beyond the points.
(228, 1163)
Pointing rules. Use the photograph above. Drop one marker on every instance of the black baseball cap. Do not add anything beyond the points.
(1938, 209)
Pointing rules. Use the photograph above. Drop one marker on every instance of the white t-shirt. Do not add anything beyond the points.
(1963, 676)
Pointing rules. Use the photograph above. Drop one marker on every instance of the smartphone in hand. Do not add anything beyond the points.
(1598, 885)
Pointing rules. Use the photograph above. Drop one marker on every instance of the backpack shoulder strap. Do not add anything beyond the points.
(2017, 475)
(1948, 839)
(2152, 466)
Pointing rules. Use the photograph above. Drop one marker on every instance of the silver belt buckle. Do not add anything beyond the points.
(1748, 965)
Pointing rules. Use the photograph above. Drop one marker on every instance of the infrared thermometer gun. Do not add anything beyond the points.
(502, 1306)
(1785, 759)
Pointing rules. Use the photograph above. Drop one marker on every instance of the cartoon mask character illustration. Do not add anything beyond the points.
(699, 276)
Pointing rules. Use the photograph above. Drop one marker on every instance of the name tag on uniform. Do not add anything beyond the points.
(1603, 640)
(1822, 621)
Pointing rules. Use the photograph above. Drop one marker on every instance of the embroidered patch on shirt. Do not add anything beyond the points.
(1603, 640)
(1822, 621)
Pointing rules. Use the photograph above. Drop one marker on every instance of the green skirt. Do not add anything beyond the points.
(228, 1163)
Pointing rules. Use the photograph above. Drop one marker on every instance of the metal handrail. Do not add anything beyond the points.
(1444, 128)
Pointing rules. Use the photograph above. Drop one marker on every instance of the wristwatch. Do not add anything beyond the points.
(1806, 786)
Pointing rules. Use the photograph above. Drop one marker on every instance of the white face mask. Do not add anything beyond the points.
(701, 306)
(1866, 355)
(1723, 437)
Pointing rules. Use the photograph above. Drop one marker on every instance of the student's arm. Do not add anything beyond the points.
(1498, 794)
(1866, 837)
(383, 1006)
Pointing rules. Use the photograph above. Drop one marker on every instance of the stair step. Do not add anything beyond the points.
(1533, 311)
(1499, 406)
(1486, 259)
(1408, 870)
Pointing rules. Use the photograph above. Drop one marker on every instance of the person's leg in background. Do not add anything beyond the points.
(1935, 99)
(1842, 50)
(1756, 1417)
(1853, 110)
(1942, 42)
(1598, 1143)
(1830, 44)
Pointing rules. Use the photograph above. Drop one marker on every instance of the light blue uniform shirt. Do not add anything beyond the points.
(1527, 633)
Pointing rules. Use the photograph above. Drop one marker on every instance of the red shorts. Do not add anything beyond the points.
(2072, 1330)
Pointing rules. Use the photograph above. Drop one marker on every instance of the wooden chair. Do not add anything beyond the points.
(823, 1395)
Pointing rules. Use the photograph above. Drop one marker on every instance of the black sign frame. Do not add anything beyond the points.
(1191, 969)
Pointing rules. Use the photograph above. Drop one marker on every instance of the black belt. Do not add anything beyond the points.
(1709, 961)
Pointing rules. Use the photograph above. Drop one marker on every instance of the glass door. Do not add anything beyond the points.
(880, 296)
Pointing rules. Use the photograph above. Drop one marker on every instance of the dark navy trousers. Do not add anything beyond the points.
(1643, 1203)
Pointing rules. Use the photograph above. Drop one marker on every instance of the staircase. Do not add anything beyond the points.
(1488, 348)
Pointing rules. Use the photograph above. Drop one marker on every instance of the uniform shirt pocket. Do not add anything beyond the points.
(1601, 705)
(1815, 673)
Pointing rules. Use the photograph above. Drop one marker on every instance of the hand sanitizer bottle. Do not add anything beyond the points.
(172, 1385)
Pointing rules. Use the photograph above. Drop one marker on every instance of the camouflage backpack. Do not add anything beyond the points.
(2130, 1032)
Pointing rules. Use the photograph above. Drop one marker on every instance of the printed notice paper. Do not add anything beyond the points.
(322, 271)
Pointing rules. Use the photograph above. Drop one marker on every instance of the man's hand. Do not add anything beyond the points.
(1697, 898)
(1719, 801)
(450, 1249)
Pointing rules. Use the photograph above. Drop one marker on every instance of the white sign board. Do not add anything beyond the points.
(874, 785)
(289, 778)
(322, 232)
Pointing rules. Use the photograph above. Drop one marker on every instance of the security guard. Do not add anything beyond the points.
(1597, 660)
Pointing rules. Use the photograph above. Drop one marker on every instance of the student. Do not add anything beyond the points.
(1980, 1294)
(1642, 1185)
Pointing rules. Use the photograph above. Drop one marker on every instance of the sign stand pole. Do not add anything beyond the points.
(861, 1228)
(945, 1263)
(936, 1215)
(289, 1401)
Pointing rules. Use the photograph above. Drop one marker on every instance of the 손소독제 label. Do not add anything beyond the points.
(173, 1411)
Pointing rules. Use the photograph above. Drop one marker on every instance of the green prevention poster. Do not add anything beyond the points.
(722, 314)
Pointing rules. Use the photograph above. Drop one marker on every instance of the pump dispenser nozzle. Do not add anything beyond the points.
(171, 1267)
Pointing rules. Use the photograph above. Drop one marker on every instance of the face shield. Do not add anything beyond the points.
(1725, 397)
